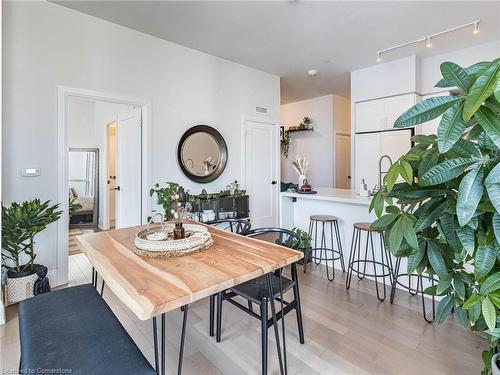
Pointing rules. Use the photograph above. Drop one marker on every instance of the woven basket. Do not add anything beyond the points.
(198, 239)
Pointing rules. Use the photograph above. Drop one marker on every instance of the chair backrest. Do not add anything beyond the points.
(232, 225)
(279, 236)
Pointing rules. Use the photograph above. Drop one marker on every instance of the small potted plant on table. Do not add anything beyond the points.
(21, 222)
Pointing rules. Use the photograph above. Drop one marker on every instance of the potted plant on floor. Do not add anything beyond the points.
(21, 222)
(445, 217)
(305, 243)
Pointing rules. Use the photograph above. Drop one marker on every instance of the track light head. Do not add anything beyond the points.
(428, 42)
(379, 57)
(476, 27)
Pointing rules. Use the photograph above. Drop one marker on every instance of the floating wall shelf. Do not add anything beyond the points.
(299, 130)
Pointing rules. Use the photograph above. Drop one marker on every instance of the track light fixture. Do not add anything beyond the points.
(428, 39)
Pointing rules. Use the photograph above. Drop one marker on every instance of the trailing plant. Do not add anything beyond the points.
(285, 143)
(166, 197)
(21, 222)
(445, 215)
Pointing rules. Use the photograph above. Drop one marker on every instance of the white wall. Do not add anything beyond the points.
(328, 113)
(46, 45)
(429, 67)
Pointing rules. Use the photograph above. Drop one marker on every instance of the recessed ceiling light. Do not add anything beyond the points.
(313, 72)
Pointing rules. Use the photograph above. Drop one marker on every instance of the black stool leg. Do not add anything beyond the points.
(317, 259)
(375, 270)
(352, 256)
(212, 313)
(361, 275)
(102, 287)
(332, 255)
(420, 288)
(264, 333)
(395, 279)
(339, 245)
(93, 277)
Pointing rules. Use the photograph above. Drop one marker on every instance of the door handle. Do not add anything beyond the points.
(116, 188)
(274, 182)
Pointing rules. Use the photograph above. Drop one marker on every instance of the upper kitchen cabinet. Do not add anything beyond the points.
(380, 114)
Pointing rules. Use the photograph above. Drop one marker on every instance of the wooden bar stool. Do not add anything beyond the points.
(334, 226)
(381, 266)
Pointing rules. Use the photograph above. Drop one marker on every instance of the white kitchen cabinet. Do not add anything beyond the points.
(395, 143)
(380, 114)
(370, 147)
(367, 154)
(430, 127)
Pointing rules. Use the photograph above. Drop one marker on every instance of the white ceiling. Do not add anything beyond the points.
(289, 38)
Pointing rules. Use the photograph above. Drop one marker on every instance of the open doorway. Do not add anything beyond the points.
(104, 162)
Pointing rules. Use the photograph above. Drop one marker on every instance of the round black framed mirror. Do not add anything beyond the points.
(202, 153)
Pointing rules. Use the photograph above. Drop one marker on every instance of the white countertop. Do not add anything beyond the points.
(332, 195)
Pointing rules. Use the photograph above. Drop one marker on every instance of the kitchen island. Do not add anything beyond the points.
(345, 204)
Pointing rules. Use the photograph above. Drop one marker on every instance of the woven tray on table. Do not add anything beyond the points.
(197, 239)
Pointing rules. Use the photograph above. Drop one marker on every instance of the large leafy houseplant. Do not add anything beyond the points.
(21, 222)
(444, 216)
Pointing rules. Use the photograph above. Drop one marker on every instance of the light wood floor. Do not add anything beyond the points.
(347, 332)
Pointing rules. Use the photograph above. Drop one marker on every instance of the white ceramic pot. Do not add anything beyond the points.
(20, 285)
(302, 178)
(494, 366)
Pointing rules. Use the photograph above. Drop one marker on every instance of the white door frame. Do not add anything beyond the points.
(104, 223)
(260, 120)
(63, 93)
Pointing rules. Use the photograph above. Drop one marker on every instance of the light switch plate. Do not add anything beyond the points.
(31, 172)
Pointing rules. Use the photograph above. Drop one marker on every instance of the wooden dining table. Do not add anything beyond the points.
(151, 287)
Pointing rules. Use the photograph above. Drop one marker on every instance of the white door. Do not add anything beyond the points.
(261, 175)
(342, 161)
(128, 168)
(367, 154)
(111, 178)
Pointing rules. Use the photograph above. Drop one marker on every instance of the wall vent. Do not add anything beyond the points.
(261, 109)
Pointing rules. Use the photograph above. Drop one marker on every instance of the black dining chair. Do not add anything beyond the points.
(257, 290)
(234, 226)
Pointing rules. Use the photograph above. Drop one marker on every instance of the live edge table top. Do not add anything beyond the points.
(152, 286)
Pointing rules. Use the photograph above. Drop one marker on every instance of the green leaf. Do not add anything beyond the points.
(494, 332)
(490, 123)
(461, 316)
(466, 148)
(489, 313)
(409, 231)
(451, 127)
(436, 259)
(485, 260)
(455, 75)
(444, 308)
(396, 235)
(443, 284)
(391, 176)
(482, 88)
(445, 171)
(415, 258)
(491, 284)
(469, 195)
(459, 286)
(377, 204)
(466, 236)
(473, 69)
(384, 221)
(492, 183)
(475, 298)
(406, 171)
(448, 226)
(496, 225)
(431, 215)
(474, 312)
(429, 159)
(424, 139)
(425, 111)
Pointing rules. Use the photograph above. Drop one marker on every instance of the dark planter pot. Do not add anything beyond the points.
(495, 368)
(17, 275)
(309, 260)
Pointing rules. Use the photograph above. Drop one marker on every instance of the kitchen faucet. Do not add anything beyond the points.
(380, 173)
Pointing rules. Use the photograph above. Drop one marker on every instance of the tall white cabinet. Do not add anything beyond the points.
(376, 136)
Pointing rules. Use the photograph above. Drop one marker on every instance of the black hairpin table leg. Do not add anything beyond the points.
(281, 357)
